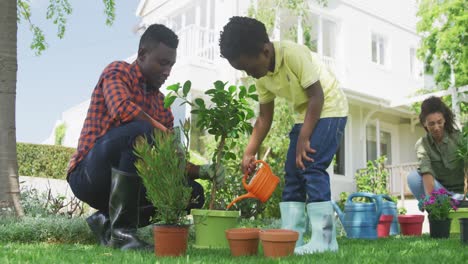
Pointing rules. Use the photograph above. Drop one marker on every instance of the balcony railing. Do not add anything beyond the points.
(197, 45)
(397, 182)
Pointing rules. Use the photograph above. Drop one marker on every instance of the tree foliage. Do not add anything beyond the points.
(57, 12)
(443, 26)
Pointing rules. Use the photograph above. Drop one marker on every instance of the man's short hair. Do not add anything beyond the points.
(157, 33)
(242, 36)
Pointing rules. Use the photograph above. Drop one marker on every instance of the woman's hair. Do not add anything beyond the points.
(435, 105)
(242, 36)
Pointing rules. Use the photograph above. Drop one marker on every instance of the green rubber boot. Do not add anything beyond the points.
(323, 229)
(293, 217)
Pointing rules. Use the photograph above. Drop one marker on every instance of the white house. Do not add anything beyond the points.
(369, 44)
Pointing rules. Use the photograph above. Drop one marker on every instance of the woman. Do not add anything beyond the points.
(439, 166)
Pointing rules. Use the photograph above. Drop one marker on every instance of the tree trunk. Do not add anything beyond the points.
(9, 182)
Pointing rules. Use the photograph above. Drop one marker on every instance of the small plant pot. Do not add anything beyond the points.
(278, 242)
(243, 241)
(455, 215)
(383, 228)
(463, 230)
(439, 228)
(170, 240)
(411, 225)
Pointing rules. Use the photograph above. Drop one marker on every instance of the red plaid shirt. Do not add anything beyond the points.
(119, 97)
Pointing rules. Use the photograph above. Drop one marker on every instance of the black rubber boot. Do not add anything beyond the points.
(123, 211)
(99, 223)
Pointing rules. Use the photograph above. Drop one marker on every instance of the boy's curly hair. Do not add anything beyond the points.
(242, 36)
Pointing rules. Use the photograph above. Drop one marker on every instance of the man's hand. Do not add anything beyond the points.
(207, 172)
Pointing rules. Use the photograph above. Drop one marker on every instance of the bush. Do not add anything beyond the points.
(277, 146)
(40, 204)
(56, 229)
(43, 160)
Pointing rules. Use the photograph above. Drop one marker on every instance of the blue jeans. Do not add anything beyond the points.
(313, 183)
(416, 185)
(90, 181)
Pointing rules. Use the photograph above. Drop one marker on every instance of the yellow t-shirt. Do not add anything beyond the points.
(296, 68)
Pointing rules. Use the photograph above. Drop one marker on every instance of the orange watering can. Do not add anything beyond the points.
(261, 186)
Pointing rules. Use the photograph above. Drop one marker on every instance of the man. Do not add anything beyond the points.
(126, 103)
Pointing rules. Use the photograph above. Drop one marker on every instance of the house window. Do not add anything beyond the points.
(339, 162)
(385, 147)
(379, 49)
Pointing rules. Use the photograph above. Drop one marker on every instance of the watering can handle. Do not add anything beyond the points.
(360, 194)
(386, 197)
(377, 198)
(246, 175)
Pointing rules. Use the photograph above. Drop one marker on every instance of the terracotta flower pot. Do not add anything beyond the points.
(243, 241)
(411, 225)
(278, 242)
(383, 228)
(170, 240)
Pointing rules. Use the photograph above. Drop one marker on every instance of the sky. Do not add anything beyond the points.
(66, 73)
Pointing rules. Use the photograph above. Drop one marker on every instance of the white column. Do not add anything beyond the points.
(453, 90)
(300, 32)
(377, 137)
(197, 15)
(320, 36)
(208, 14)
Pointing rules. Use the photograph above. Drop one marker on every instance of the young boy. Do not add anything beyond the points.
(292, 71)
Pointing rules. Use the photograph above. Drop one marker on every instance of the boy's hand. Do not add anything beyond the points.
(302, 149)
(248, 164)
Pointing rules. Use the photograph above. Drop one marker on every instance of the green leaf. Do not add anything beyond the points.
(186, 88)
(174, 87)
(168, 100)
(232, 89)
(219, 85)
(200, 102)
(230, 156)
(252, 88)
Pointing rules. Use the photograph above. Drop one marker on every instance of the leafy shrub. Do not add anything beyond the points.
(276, 144)
(40, 204)
(43, 160)
(56, 229)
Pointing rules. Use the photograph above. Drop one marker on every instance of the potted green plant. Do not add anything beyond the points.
(161, 165)
(462, 212)
(226, 117)
(438, 205)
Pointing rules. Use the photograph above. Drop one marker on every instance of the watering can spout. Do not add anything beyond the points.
(247, 195)
(338, 211)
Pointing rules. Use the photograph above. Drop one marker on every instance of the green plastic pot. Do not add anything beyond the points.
(455, 215)
(210, 226)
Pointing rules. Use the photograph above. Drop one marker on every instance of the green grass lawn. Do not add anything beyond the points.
(390, 250)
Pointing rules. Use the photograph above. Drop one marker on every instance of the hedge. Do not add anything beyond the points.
(47, 161)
